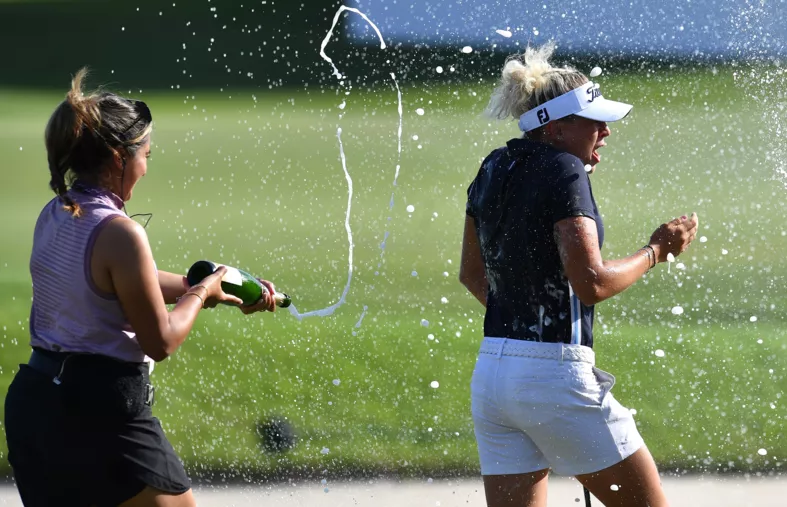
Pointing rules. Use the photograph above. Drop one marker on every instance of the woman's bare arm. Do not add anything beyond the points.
(471, 271)
(594, 279)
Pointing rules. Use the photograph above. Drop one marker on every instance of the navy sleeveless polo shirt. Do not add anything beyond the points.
(521, 191)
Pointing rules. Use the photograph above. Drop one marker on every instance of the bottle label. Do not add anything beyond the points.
(232, 275)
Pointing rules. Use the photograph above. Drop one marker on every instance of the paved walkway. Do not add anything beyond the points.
(736, 491)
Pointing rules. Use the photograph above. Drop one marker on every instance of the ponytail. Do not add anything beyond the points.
(85, 131)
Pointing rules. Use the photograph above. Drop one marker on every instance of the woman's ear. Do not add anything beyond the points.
(119, 158)
(553, 130)
(117, 163)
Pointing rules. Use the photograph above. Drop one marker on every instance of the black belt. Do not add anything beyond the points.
(52, 364)
(46, 365)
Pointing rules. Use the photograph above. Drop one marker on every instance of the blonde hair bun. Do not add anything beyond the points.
(528, 80)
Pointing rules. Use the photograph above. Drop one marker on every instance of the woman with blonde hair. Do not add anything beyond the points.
(78, 418)
(531, 255)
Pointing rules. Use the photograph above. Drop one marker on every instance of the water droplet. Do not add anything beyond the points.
(410, 208)
(415, 137)
(336, 381)
(753, 318)
(325, 450)
(724, 251)
(434, 384)
(439, 69)
(762, 452)
(677, 310)
(703, 239)
(588, 168)
(20, 148)
(324, 482)
(414, 273)
(467, 49)
(504, 33)
(444, 300)
(670, 257)
(429, 480)
(614, 487)
(659, 353)
(419, 111)
(424, 322)
(596, 71)
(326, 490)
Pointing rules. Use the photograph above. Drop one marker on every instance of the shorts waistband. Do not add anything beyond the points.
(46, 364)
(52, 363)
(90, 369)
(537, 350)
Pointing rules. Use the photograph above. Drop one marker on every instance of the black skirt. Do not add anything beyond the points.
(89, 438)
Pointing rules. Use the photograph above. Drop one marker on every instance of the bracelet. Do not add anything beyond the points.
(651, 255)
(189, 293)
(646, 253)
(193, 294)
(201, 286)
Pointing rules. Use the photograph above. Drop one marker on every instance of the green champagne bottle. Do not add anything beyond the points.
(235, 282)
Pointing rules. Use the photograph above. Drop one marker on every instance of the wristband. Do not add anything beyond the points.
(651, 255)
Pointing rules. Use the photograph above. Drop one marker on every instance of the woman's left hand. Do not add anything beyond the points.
(266, 303)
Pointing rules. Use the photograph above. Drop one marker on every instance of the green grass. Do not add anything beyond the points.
(253, 179)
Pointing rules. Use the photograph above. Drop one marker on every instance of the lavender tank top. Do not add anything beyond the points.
(69, 312)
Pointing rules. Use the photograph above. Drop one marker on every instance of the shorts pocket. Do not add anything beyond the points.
(102, 388)
(592, 386)
(605, 380)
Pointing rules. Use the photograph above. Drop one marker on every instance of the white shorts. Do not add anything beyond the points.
(545, 405)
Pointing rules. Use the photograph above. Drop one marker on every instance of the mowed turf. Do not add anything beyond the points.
(254, 179)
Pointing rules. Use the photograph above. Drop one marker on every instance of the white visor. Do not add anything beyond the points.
(585, 101)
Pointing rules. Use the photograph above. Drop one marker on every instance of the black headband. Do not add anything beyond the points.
(143, 115)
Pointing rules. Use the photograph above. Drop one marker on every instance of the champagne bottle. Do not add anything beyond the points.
(235, 282)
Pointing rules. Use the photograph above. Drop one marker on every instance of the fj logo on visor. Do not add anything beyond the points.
(543, 116)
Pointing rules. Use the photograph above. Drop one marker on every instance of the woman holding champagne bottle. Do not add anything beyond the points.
(78, 418)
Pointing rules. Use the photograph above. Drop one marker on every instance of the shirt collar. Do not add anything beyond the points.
(94, 190)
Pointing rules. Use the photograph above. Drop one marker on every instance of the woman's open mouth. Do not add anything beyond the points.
(595, 157)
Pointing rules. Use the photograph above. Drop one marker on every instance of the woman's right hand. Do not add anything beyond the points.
(214, 293)
(674, 237)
